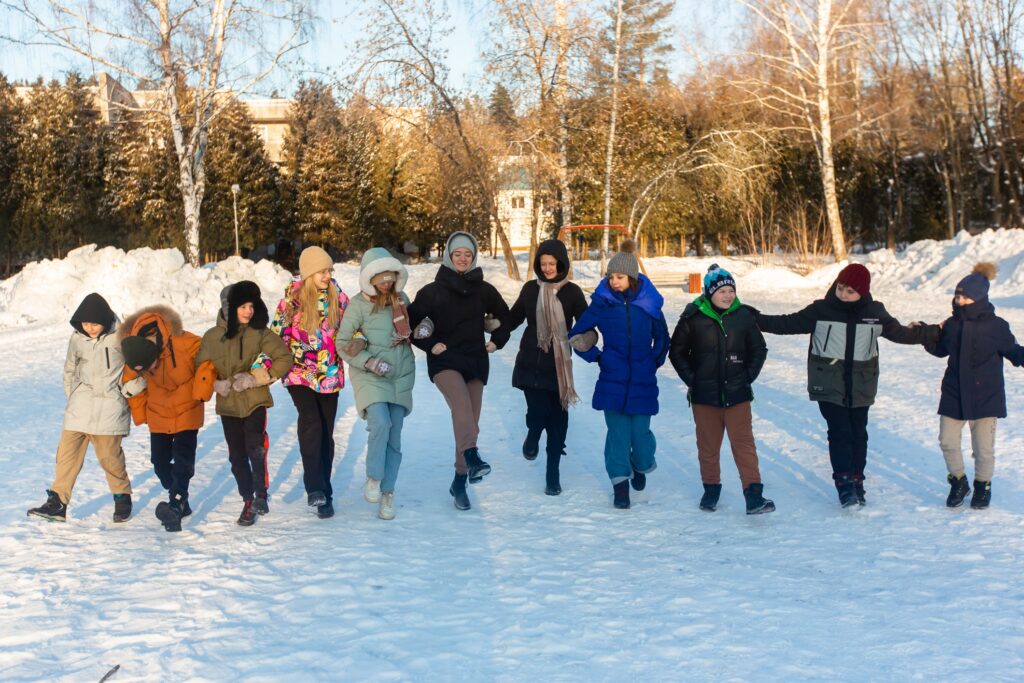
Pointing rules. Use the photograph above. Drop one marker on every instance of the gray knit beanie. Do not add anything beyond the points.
(624, 262)
(459, 240)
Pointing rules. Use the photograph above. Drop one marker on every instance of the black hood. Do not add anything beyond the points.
(245, 292)
(557, 249)
(94, 309)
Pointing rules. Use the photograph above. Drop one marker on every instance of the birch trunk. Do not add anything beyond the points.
(610, 150)
(828, 171)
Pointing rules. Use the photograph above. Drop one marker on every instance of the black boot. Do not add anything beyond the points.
(53, 509)
(316, 499)
(757, 504)
(858, 488)
(325, 511)
(478, 469)
(709, 501)
(847, 489)
(122, 507)
(169, 513)
(260, 503)
(982, 494)
(958, 490)
(621, 494)
(531, 445)
(458, 491)
(552, 485)
(639, 480)
(248, 516)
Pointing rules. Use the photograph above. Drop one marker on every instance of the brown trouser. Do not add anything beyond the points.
(712, 422)
(464, 399)
(71, 456)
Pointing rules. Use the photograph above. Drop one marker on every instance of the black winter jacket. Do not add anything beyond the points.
(457, 305)
(976, 341)
(718, 355)
(842, 357)
(535, 369)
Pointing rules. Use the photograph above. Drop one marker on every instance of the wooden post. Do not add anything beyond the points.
(682, 244)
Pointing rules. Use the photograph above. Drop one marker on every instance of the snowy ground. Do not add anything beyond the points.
(526, 586)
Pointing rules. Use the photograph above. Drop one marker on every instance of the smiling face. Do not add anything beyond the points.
(723, 297)
(847, 293)
(462, 258)
(384, 287)
(962, 300)
(549, 266)
(92, 329)
(244, 313)
(321, 278)
(618, 282)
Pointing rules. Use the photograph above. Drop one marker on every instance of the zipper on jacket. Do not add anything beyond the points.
(828, 334)
(722, 361)
(170, 347)
(106, 350)
(629, 356)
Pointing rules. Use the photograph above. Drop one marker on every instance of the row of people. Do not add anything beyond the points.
(160, 374)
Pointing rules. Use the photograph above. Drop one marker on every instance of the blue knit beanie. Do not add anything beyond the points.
(975, 285)
(717, 278)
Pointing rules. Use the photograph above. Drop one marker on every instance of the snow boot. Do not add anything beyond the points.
(982, 495)
(387, 506)
(847, 490)
(182, 504)
(531, 445)
(858, 488)
(458, 491)
(169, 514)
(248, 516)
(325, 511)
(478, 469)
(53, 509)
(757, 504)
(260, 503)
(122, 507)
(371, 490)
(958, 490)
(621, 494)
(709, 501)
(316, 499)
(639, 480)
(552, 485)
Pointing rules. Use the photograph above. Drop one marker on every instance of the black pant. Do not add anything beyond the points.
(847, 438)
(247, 451)
(316, 436)
(174, 459)
(544, 413)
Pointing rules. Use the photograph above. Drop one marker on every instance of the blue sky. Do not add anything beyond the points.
(337, 26)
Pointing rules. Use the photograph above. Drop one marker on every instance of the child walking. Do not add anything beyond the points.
(842, 366)
(976, 340)
(308, 318)
(626, 309)
(246, 358)
(543, 370)
(382, 369)
(96, 412)
(718, 352)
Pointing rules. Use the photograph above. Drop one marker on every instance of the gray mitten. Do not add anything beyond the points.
(222, 387)
(133, 387)
(583, 342)
(491, 323)
(243, 381)
(424, 330)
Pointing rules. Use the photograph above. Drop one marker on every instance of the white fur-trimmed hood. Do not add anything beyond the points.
(376, 261)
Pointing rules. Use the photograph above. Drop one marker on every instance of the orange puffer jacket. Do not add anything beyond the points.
(168, 405)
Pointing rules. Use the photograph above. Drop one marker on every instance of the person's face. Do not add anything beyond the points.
(549, 266)
(723, 297)
(92, 329)
(384, 287)
(618, 282)
(461, 259)
(244, 313)
(962, 300)
(847, 293)
(322, 278)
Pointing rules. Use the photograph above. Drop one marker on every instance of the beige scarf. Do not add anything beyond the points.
(552, 332)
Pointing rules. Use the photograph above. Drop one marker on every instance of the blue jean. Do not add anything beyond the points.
(629, 445)
(384, 448)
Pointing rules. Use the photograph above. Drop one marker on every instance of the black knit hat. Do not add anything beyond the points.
(139, 353)
(246, 292)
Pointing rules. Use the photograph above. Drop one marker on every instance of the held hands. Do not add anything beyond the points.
(377, 366)
(262, 376)
(222, 387)
(424, 330)
(491, 346)
(491, 324)
(438, 349)
(583, 342)
(243, 381)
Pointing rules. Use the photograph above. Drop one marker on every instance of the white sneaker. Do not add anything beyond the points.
(371, 490)
(387, 506)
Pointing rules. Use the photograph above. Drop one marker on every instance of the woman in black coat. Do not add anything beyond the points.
(543, 369)
(456, 303)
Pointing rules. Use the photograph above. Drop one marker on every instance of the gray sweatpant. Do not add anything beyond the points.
(983, 445)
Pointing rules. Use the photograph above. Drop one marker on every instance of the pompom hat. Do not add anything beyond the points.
(716, 278)
(975, 286)
(624, 262)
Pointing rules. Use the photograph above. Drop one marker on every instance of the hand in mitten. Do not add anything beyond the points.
(243, 381)
(222, 387)
(133, 387)
(262, 376)
(377, 366)
(583, 342)
(491, 323)
(354, 347)
(424, 329)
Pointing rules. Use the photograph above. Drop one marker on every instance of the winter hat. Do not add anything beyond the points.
(313, 260)
(376, 262)
(975, 285)
(717, 278)
(139, 353)
(460, 240)
(246, 292)
(856, 277)
(224, 305)
(624, 262)
(93, 309)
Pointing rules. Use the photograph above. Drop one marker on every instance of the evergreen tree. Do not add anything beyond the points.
(646, 43)
(313, 105)
(9, 115)
(501, 108)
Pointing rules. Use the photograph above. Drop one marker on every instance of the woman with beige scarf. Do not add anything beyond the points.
(543, 371)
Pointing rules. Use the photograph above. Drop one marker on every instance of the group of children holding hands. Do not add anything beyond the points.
(150, 370)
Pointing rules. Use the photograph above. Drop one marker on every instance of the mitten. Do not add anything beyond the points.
(583, 342)
(491, 323)
(377, 366)
(354, 347)
(222, 387)
(133, 387)
(424, 330)
(243, 381)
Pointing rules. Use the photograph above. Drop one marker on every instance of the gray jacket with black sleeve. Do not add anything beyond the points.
(842, 358)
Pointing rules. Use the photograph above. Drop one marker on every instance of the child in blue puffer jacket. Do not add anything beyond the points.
(626, 308)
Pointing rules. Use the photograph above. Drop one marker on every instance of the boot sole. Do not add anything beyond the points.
(550, 491)
(476, 476)
(761, 511)
(249, 523)
(121, 520)
(167, 517)
(708, 508)
(48, 518)
(324, 515)
(456, 501)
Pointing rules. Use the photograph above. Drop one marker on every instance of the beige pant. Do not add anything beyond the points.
(71, 456)
(711, 425)
(464, 400)
(983, 445)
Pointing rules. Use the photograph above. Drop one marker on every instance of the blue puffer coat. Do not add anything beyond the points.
(636, 341)
(976, 341)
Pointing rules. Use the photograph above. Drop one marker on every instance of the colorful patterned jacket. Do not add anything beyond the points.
(316, 361)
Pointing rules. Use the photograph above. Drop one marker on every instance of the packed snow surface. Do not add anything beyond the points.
(524, 586)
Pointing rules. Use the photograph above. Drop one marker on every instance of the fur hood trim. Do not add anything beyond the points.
(170, 318)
